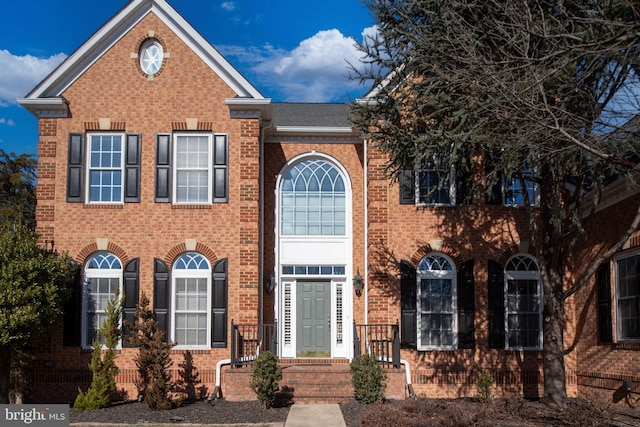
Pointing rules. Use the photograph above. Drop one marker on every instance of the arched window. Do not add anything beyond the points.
(191, 301)
(313, 200)
(103, 276)
(436, 308)
(523, 303)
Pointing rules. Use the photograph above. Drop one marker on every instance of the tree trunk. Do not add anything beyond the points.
(5, 372)
(555, 385)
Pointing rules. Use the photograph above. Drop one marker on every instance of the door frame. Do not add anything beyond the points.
(300, 251)
(341, 338)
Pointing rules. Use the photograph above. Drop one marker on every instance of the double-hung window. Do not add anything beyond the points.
(193, 161)
(434, 184)
(523, 303)
(192, 301)
(102, 278)
(103, 168)
(520, 189)
(105, 161)
(191, 168)
(436, 308)
(627, 296)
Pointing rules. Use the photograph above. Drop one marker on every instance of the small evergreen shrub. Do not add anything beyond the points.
(368, 378)
(484, 382)
(153, 359)
(265, 376)
(103, 384)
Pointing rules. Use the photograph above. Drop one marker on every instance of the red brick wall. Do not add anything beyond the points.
(114, 88)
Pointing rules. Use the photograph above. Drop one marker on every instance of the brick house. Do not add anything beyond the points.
(254, 224)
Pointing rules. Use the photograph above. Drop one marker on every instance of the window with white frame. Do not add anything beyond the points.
(434, 184)
(523, 303)
(191, 301)
(437, 322)
(628, 296)
(193, 168)
(105, 160)
(313, 200)
(520, 189)
(102, 278)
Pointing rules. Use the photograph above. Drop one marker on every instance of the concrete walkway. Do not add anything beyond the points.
(314, 416)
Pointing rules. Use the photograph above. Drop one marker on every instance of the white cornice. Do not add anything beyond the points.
(46, 107)
(313, 129)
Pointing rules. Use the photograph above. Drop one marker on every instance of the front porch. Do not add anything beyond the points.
(311, 380)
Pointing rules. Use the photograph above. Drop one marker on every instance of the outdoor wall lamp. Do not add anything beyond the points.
(357, 283)
(270, 284)
(627, 385)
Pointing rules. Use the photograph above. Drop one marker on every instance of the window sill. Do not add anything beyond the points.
(626, 345)
(188, 206)
(104, 206)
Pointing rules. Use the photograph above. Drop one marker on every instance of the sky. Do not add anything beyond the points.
(290, 50)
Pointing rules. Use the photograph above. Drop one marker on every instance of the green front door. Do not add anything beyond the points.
(314, 319)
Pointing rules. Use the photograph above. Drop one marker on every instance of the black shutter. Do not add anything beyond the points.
(496, 305)
(407, 182)
(220, 169)
(161, 296)
(131, 290)
(75, 172)
(603, 278)
(462, 187)
(219, 304)
(408, 305)
(132, 169)
(72, 318)
(163, 168)
(494, 197)
(466, 305)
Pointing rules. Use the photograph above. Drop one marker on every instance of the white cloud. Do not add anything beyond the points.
(20, 74)
(228, 6)
(317, 70)
(8, 122)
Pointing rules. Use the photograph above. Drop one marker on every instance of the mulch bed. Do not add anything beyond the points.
(511, 412)
(200, 412)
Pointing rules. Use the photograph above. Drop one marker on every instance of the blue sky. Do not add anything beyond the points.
(290, 50)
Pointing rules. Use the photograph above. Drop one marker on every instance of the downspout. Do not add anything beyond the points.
(217, 390)
(263, 126)
(407, 373)
(366, 232)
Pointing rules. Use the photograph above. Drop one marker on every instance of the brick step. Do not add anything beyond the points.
(309, 383)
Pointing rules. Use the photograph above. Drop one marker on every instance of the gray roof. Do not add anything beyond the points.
(310, 114)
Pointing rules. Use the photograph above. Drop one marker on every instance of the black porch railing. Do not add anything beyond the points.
(381, 341)
(247, 341)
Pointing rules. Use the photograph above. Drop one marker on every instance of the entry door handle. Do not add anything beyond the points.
(329, 321)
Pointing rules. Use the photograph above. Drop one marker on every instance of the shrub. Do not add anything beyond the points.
(153, 359)
(368, 378)
(103, 384)
(484, 382)
(265, 377)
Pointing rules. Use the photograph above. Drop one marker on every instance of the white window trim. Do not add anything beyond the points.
(522, 275)
(615, 294)
(438, 274)
(452, 188)
(536, 194)
(174, 167)
(99, 274)
(185, 274)
(88, 168)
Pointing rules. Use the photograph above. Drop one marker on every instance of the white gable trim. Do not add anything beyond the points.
(88, 53)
